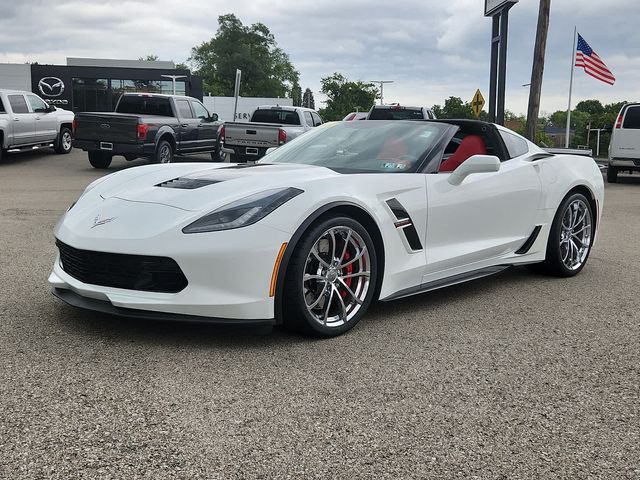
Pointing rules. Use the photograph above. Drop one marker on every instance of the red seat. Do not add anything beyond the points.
(393, 148)
(470, 145)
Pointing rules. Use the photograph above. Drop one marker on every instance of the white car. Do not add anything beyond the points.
(624, 148)
(309, 236)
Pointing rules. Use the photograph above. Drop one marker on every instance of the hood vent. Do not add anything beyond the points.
(187, 183)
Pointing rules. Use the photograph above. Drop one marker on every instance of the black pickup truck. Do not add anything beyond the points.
(147, 125)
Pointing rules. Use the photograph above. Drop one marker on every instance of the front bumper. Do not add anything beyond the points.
(229, 275)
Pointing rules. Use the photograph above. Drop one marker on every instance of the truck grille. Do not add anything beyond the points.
(132, 272)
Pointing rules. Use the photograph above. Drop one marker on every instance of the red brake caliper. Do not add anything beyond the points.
(346, 271)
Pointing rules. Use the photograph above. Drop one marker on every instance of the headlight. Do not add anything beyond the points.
(243, 212)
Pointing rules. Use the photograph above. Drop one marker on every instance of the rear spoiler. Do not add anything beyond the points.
(586, 152)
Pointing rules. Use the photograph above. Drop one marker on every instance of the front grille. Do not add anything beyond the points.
(132, 272)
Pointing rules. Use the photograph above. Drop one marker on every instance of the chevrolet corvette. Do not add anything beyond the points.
(313, 233)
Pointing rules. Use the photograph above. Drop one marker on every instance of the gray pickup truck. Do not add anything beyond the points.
(27, 121)
(147, 125)
(269, 127)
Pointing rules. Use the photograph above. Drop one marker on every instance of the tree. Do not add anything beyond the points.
(307, 99)
(454, 107)
(296, 94)
(266, 68)
(149, 58)
(344, 96)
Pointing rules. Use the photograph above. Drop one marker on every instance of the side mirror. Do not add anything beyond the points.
(474, 164)
(213, 117)
(50, 108)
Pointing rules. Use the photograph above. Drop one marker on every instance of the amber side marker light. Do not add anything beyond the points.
(276, 267)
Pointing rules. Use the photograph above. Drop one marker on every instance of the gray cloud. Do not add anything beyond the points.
(432, 49)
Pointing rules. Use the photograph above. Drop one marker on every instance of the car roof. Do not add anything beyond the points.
(400, 107)
(161, 95)
(288, 108)
(4, 90)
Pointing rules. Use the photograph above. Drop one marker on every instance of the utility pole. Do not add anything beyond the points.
(381, 82)
(537, 70)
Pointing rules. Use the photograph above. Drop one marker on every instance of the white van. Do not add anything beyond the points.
(624, 148)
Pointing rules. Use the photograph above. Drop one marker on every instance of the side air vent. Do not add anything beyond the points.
(526, 246)
(187, 183)
(405, 223)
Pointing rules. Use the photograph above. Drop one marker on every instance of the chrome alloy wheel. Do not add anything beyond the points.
(336, 276)
(66, 141)
(575, 234)
(165, 153)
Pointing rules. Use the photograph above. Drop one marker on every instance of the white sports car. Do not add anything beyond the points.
(314, 232)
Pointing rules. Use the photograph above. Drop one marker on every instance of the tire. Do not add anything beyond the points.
(100, 159)
(164, 152)
(218, 155)
(63, 142)
(332, 299)
(612, 174)
(572, 226)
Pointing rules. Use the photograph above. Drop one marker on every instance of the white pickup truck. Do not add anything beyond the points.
(270, 126)
(27, 121)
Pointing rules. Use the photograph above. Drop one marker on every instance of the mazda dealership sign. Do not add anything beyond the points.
(51, 86)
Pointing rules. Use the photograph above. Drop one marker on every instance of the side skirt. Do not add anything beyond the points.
(447, 282)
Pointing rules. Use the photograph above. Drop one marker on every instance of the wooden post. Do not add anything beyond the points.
(537, 70)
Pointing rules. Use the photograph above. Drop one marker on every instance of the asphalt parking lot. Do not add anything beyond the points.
(512, 376)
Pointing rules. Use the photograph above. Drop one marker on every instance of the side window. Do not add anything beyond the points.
(2, 110)
(18, 104)
(200, 111)
(516, 146)
(632, 118)
(183, 109)
(316, 119)
(37, 105)
(308, 119)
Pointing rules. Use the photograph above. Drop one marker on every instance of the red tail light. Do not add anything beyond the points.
(350, 117)
(143, 128)
(619, 121)
(221, 133)
(282, 136)
(74, 125)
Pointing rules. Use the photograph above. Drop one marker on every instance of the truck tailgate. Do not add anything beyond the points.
(251, 134)
(107, 127)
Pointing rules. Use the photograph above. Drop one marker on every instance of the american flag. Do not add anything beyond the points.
(590, 61)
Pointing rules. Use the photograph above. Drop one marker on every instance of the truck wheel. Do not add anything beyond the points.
(99, 159)
(164, 152)
(218, 155)
(612, 174)
(63, 142)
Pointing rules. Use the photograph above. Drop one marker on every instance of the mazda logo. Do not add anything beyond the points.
(51, 86)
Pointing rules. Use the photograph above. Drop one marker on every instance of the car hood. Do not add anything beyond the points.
(195, 187)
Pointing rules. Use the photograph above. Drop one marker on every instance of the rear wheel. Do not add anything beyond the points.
(99, 159)
(331, 279)
(612, 174)
(63, 142)
(164, 152)
(570, 238)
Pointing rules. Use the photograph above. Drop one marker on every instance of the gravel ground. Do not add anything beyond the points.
(512, 376)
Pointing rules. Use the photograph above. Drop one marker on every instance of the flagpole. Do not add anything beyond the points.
(573, 62)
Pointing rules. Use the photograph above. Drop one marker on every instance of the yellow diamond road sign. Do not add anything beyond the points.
(477, 103)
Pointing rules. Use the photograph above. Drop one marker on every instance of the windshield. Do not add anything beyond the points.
(362, 146)
(399, 113)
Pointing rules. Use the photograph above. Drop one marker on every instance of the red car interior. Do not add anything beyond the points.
(470, 145)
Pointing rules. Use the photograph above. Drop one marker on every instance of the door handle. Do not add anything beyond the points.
(184, 124)
(16, 119)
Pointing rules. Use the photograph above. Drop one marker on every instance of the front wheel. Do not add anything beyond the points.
(331, 279)
(164, 152)
(570, 238)
(100, 159)
(612, 174)
(63, 142)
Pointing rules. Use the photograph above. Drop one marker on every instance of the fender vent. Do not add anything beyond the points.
(405, 223)
(187, 183)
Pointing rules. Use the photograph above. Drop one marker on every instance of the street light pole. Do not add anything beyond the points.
(173, 79)
(381, 82)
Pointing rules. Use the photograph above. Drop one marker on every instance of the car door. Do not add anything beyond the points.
(207, 129)
(46, 121)
(24, 121)
(188, 133)
(487, 216)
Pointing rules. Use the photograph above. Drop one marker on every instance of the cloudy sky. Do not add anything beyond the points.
(432, 49)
